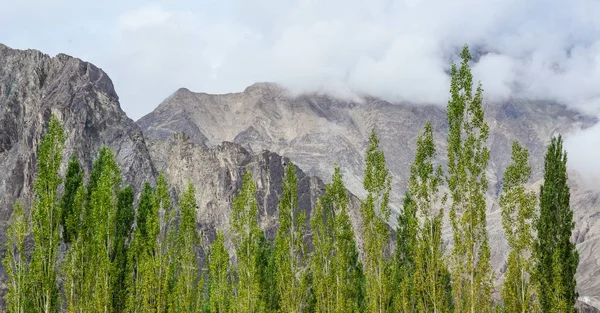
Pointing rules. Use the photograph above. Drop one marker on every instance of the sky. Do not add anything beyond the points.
(395, 50)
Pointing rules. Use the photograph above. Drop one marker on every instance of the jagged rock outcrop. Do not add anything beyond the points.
(33, 86)
(217, 174)
(315, 131)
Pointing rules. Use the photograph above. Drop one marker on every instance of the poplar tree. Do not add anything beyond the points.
(70, 216)
(556, 255)
(141, 249)
(124, 227)
(430, 273)
(246, 239)
(267, 274)
(375, 214)
(289, 246)
(321, 259)
(349, 280)
(186, 273)
(518, 212)
(468, 157)
(74, 267)
(15, 262)
(103, 214)
(219, 289)
(153, 270)
(46, 221)
(405, 297)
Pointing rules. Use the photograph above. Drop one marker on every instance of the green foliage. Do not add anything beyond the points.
(290, 248)
(267, 275)
(467, 161)
(71, 216)
(321, 260)
(219, 290)
(556, 255)
(101, 224)
(46, 221)
(349, 280)
(518, 212)
(184, 294)
(405, 298)
(15, 262)
(246, 239)
(124, 229)
(431, 277)
(375, 214)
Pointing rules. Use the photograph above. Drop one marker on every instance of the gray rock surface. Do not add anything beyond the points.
(315, 131)
(34, 85)
(217, 172)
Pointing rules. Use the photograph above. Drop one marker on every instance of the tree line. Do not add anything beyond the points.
(121, 257)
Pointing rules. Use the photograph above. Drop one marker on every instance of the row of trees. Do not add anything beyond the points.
(122, 257)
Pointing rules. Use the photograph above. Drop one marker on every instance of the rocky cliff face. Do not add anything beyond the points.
(217, 172)
(34, 85)
(315, 131)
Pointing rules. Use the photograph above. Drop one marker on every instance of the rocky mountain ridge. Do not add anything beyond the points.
(316, 131)
(33, 86)
(211, 140)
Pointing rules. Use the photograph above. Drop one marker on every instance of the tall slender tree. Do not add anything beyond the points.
(103, 214)
(321, 259)
(186, 273)
(375, 214)
(46, 221)
(405, 296)
(431, 272)
(74, 266)
(468, 157)
(219, 290)
(349, 280)
(141, 249)
(246, 239)
(289, 246)
(556, 255)
(267, 275)
(124, 228)
(70, 216)
(15, 262)
(518, 212)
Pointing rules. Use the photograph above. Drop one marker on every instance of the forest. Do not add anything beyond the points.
(128, 252)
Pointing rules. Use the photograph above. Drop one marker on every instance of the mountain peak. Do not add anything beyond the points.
(264, 87)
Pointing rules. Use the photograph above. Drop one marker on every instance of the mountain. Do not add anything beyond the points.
(315, 131)
(34, 85)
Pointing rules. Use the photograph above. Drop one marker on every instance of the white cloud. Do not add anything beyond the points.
(396, 50)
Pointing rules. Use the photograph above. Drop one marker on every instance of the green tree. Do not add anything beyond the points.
(74, 266)
(289, 247)
(246, 239)
(518, 212)
(154, 270)
(267, 274)
(321, 259)
(375, 214)
(405, 297)
(15, 262)
(140, 249)
(186, 273)
(430, 272)
(101, 241)
(219, 289)
(46, 221)
(70, 216)
(468, 158)
(124, 228)
(349, 280)
(556, 255)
